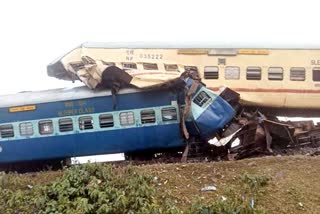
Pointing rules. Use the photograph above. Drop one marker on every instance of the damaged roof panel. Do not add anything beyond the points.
(87, 63)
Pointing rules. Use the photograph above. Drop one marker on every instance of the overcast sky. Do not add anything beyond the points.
(34, 33)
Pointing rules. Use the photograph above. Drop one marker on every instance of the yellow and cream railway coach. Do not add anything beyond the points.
(272, 78)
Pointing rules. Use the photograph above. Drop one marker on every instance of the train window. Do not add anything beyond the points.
(85, 123)
(108, 63)
(127, 118)
(26, 129)
(169, 114)
(211, 72)
(106, 120)
(150, 66)
(297, 74)
(171, 67)
(254, 73)
(190, 68)
(129, 65)
(45, 127)
(65, 125)
(275, 73)
(76, 66)
(148, 116)
(232, 73)
(6, 131)
(202, 98)
(316, 74)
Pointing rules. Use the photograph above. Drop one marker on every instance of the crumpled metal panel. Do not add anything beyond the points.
(88, 65)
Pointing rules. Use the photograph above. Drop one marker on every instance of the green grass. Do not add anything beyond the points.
(98, 188)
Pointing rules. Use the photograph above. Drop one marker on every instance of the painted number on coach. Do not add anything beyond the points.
(315, 62)
(151, 56)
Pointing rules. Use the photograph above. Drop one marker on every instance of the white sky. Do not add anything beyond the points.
(35, 32)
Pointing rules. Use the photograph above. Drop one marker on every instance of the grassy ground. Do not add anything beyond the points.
(292, 186)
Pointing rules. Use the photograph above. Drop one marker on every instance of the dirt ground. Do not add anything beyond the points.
(293, 186)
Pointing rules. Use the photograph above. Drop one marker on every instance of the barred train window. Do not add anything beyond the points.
(129, 65)
(171, 67)
(169, 114)
(232, 73)
(254, 73)
(6, 131)
(108, 63)
(65, 125)
(127, 118)
(211, 72)
(275, 73)
(148, 116)
(297, 74)
(26, 129)
(45, 127)
(106, 120)
(189, 68)
(202, 98)
(150, 66)
(316, 74)
(85, 123)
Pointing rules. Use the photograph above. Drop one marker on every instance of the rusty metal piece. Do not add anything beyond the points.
(185, 154)
(268, 138)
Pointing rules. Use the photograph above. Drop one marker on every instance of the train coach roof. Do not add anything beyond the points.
(195, 44)
(54, 95)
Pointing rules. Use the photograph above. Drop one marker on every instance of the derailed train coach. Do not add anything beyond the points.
(131, 111)
(63, 123)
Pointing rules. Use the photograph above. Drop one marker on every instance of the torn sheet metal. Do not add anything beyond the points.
(224, 141)
(90, 64)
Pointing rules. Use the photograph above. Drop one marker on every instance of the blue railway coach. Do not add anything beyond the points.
(63, 123)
